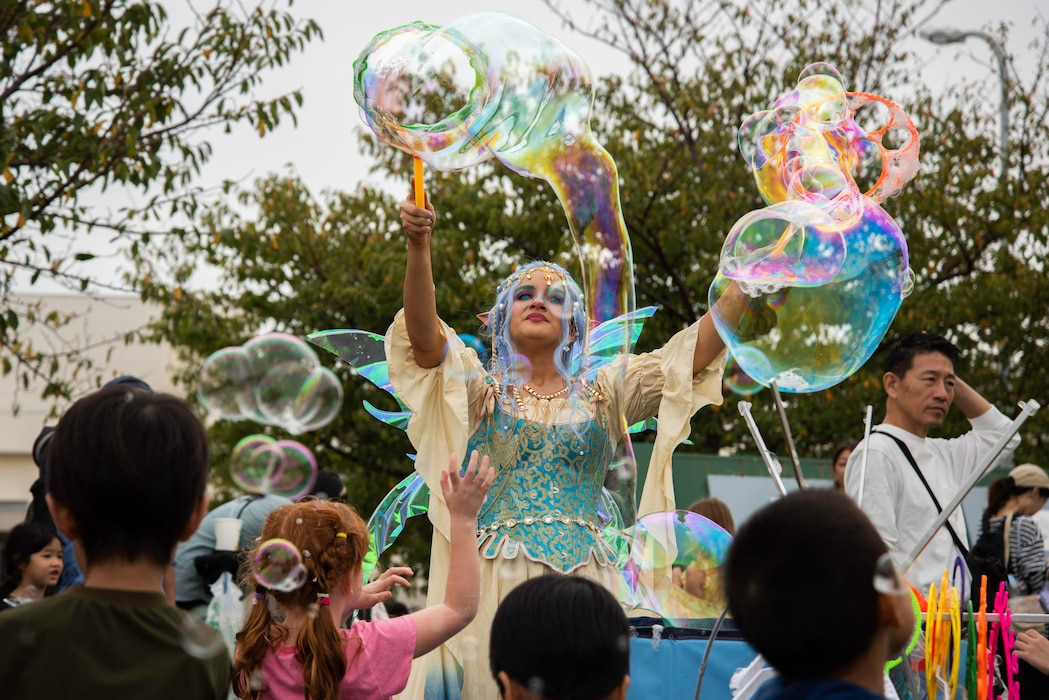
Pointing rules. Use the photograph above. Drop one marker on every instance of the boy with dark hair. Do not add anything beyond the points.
(126, 474)
(560, 637)
(38, 511)
(812, 588)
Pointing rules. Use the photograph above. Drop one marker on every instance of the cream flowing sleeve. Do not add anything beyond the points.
(446, 403)
(660, 383)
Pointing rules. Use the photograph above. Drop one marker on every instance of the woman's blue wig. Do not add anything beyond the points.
(574, 328)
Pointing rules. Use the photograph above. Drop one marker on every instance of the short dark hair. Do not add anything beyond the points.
(562, 637)
(798, 568)
(24, 540)
(328, 486)
(131, 467)
(901, 358)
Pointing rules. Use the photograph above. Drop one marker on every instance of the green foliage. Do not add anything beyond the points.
(291, 263)
(976, 240)
(298, 265)
(97, 95)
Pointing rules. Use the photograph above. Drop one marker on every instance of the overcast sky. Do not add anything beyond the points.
(323, 148)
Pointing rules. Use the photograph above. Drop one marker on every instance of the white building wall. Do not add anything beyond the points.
(99, 324)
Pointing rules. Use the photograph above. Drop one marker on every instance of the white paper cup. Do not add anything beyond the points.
(227, 534)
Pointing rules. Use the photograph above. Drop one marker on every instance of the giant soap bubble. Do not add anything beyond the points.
(693, 545)
(822, 270)
(511, 92)
(502, 89)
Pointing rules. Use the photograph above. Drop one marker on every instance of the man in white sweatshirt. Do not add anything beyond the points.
(920, 384)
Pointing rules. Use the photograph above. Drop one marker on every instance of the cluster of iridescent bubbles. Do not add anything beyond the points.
(491, 86)
(824, 266)
(273, 380)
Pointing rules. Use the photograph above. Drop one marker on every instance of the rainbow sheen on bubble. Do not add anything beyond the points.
(262, 464)
(277, 565)
(689, 542)
(273, 379)
(518, 368)
(224, 381)
(823, 268)
(738, 381)
(475, 343)
(298, 398)
(503, 89)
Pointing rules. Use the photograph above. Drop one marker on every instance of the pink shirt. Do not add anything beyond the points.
(378, 658)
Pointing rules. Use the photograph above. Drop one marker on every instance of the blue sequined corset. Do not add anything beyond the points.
(545, 497)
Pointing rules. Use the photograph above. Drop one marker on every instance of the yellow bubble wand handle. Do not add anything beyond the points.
(420, 193)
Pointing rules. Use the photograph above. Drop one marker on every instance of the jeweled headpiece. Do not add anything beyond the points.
(545, 270)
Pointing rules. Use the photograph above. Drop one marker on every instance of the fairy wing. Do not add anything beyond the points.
(409, 498)
(611, 339)
(366, 353)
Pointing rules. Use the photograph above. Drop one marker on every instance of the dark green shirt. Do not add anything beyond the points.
(100, 643)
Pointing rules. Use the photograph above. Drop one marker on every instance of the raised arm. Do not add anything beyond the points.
(420, 302)
(709, 344)
(464, 496)
(968, 401)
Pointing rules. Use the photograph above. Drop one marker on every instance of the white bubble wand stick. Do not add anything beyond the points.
(782, 413)
(867, 421)
(987, 462)
(771, 462)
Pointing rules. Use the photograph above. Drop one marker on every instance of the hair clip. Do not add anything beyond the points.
(323, 599)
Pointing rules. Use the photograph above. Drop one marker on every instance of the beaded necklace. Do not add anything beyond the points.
(545, 397)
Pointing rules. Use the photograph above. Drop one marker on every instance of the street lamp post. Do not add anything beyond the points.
(954, 36)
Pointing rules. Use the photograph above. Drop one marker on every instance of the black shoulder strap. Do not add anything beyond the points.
(254, 497)
(939, 509)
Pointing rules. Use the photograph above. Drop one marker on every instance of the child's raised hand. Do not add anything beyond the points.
(378, 591)
(465, 494)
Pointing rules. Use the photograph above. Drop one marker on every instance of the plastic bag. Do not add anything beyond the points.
(226, 611)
